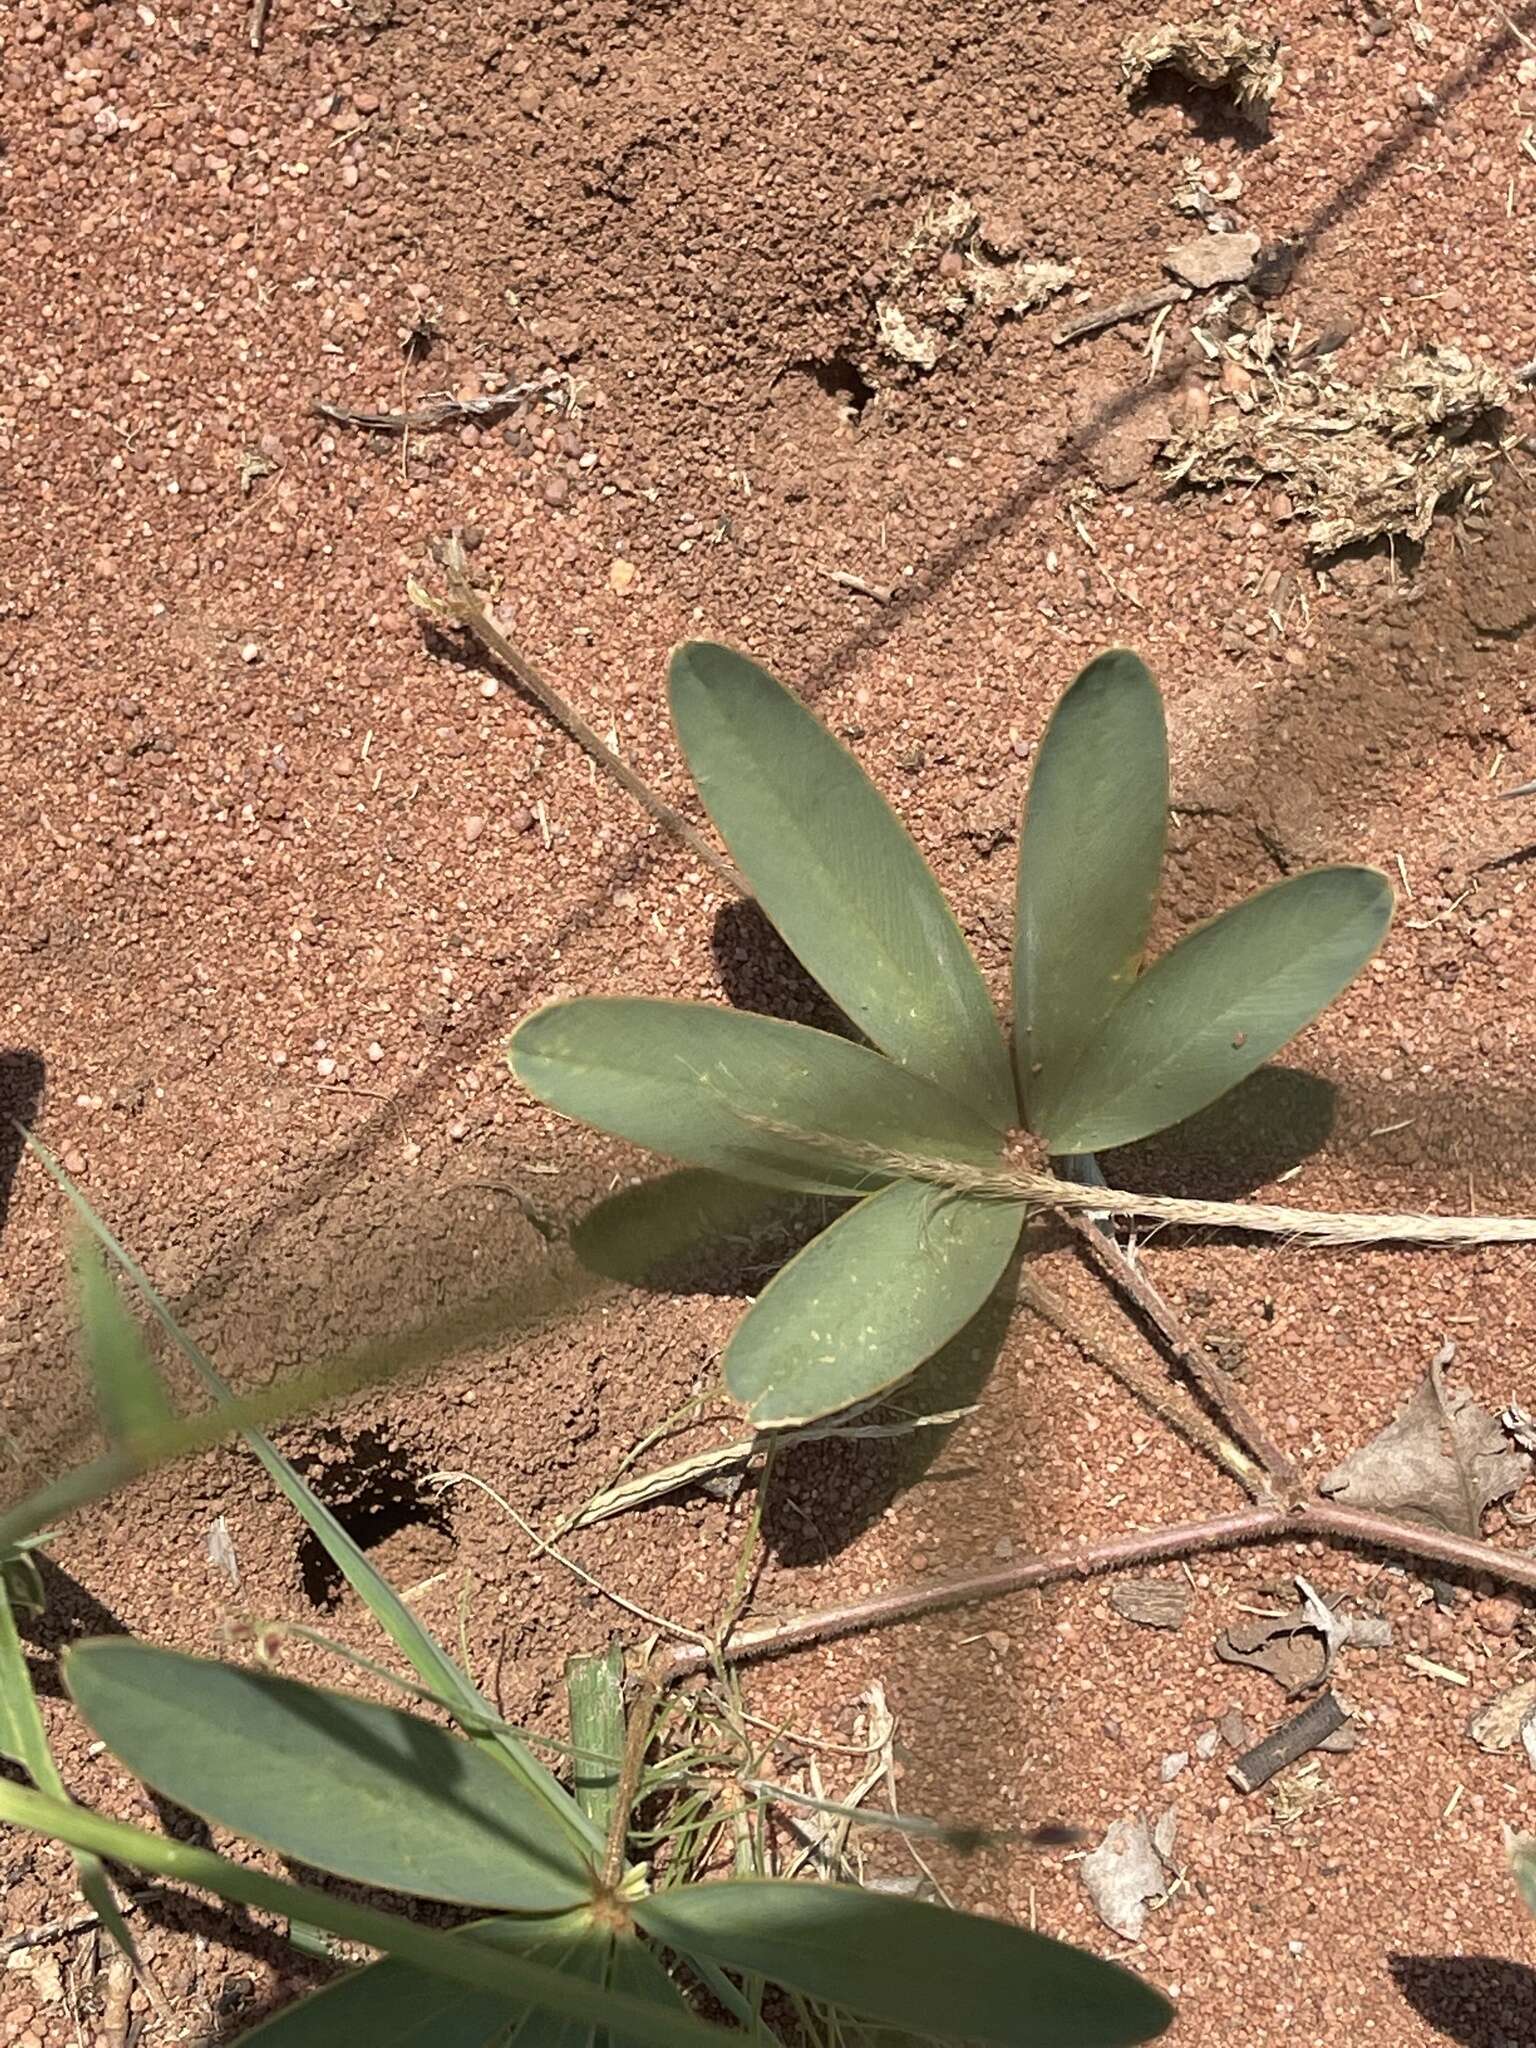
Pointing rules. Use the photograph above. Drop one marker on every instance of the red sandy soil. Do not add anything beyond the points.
(278, 873)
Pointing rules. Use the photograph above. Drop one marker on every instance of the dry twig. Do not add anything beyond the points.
(1094, 319)
(464, 607)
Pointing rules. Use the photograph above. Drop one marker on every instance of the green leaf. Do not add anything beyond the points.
(24, 1739)
(867, 1301)
(366, 1791)
(460, 1958)
(129, 1395)
(1219, 1004)
(1090, 854)
(750, 1096)
(396, 2005)
(836, 872)
(923, 1967)
(426, 1656)
(629, 1235)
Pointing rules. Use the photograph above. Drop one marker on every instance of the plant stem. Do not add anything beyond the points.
(1217, 1386)
(1144, 1546)
(465, 608)
(642, 1716)
(1169, 1402)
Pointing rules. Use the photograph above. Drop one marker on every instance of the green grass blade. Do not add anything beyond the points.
(1090, 855)
(594, 1691)
(749, 1096)
(458, 1958)
(24, 1739)
(427, 1658)
(922, 1967)
(367, 1791)
(129, 1397)
(1522, 1860)
(837, 873)
(867, 1302)
(1219, 1004)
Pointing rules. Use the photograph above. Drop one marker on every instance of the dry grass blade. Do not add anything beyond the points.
(734, 1457)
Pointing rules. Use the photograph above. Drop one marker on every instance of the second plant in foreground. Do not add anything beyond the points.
(571, 1941)
(912, 1127)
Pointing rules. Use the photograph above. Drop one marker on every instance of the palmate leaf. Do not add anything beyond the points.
(868, 1301)
(1090, 854)
(395, 2005)
(730, 1090)
(837, 873)
(1219, 1004)
(922, 1967)
(345, 1785)
(458, 1958)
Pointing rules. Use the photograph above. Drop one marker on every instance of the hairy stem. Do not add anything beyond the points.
(970, 1587)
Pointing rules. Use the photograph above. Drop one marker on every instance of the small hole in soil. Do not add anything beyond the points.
(374, 1489)
(843, 382)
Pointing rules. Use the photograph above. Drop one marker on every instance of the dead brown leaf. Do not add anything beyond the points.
(1298, 1648)
(1442, 1461)
(1501, 1723)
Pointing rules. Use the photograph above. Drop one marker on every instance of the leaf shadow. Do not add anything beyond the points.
(1479, 2001)
(826, 1492)
(759, 972)
(22, 1074)
(1271, 1122)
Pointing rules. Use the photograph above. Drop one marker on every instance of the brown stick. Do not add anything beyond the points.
(1094, 319)
(464, 608)
(1218, 1387)
(1304, 1731)
(969, 1587)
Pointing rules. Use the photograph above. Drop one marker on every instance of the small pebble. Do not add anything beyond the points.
(472, 828)
(556, 490)
(1500, 1617)
(74, 1161)
(375, 1052)
(521, 819)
